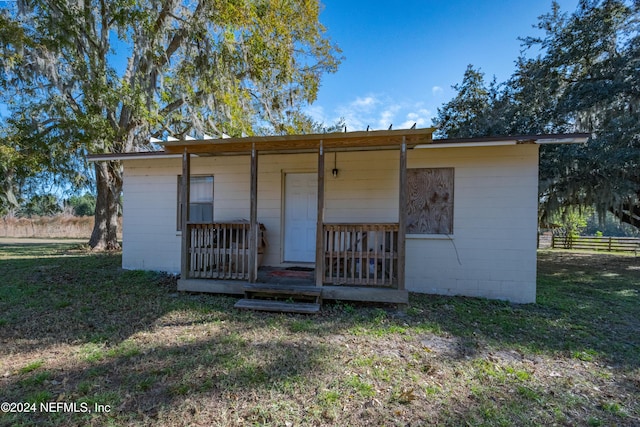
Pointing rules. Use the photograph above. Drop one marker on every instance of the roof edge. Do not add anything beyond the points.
(131, 156)
(494, 141)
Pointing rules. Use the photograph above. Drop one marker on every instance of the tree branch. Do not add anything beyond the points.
(174, 105)
(178, 37)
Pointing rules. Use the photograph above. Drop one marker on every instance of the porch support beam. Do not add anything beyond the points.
(253, 217)
(402, 213)
(320, 220)
(185, 197)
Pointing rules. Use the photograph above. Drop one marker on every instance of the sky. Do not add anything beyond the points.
(401, 58)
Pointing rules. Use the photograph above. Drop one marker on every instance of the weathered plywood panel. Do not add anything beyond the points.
(430, 200)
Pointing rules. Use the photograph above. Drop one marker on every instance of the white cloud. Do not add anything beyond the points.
(421, 118)
(353, 119)
(366, 103)
(418, 115)
(387, 116)
(316, 112)
(359, 113)
(377, 111)
(437, 90)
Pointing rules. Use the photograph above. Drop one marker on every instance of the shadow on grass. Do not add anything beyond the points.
(138, 383)
(201, 346)
(587, 309)
(105, 313)
(589, 303)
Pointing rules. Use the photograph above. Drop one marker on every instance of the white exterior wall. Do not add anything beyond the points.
(492, 252)
(149, 240)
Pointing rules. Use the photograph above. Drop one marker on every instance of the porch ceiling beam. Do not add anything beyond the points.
(330, 141)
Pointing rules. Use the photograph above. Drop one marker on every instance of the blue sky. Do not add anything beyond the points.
(401, 58)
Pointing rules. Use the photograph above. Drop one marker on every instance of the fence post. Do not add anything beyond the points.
(609, 244)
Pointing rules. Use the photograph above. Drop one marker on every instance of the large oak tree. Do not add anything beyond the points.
(584, 76)
(103, 76)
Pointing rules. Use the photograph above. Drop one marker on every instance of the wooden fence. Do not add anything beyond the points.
(58, 226)
(610, 244)
(361, 254)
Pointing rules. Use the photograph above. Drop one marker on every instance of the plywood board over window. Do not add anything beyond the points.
(430, 201)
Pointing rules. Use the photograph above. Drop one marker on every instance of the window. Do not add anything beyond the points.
(200, 198)
(430, 201)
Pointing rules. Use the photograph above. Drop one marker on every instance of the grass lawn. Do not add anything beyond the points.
(77, 330)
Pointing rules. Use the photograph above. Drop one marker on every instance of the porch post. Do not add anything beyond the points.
(320, 219)
(185, 197)
(253, 217)
(402, 213)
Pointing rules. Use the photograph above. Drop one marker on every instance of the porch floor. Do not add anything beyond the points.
(292, 276)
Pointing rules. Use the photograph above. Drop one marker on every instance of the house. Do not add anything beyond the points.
(376, 214)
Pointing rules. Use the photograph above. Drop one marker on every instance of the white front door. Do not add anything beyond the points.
(300, 215)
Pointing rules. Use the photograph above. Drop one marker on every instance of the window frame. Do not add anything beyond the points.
(179, 200)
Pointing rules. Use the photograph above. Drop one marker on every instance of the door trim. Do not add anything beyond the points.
(283, 184)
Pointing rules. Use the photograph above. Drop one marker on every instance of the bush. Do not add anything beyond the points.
(84, 205)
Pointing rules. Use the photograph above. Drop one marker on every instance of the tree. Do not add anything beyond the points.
(583, 79)
(22, 160)
(84, 205)
(590, 63)
(206, 66)
(464, 116)
(8, 163)
(40, 205)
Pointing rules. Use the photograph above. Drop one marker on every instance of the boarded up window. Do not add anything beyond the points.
(430, 201)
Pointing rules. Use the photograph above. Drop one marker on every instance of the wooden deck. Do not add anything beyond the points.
(355, 261)
(328, 292)
(360, 262)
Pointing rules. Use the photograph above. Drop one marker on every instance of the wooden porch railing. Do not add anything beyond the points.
(219, 250)
(361, 254)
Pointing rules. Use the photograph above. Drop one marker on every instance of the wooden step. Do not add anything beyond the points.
(278, 306)
(311, 291)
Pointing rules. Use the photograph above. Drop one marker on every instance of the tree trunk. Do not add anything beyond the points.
(109, 186)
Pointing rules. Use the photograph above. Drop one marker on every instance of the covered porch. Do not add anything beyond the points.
(352, 260)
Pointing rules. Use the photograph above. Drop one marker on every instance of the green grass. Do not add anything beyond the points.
(31, 367)
(77, 328)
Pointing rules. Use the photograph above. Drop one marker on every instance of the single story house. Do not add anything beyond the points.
(375, 214)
